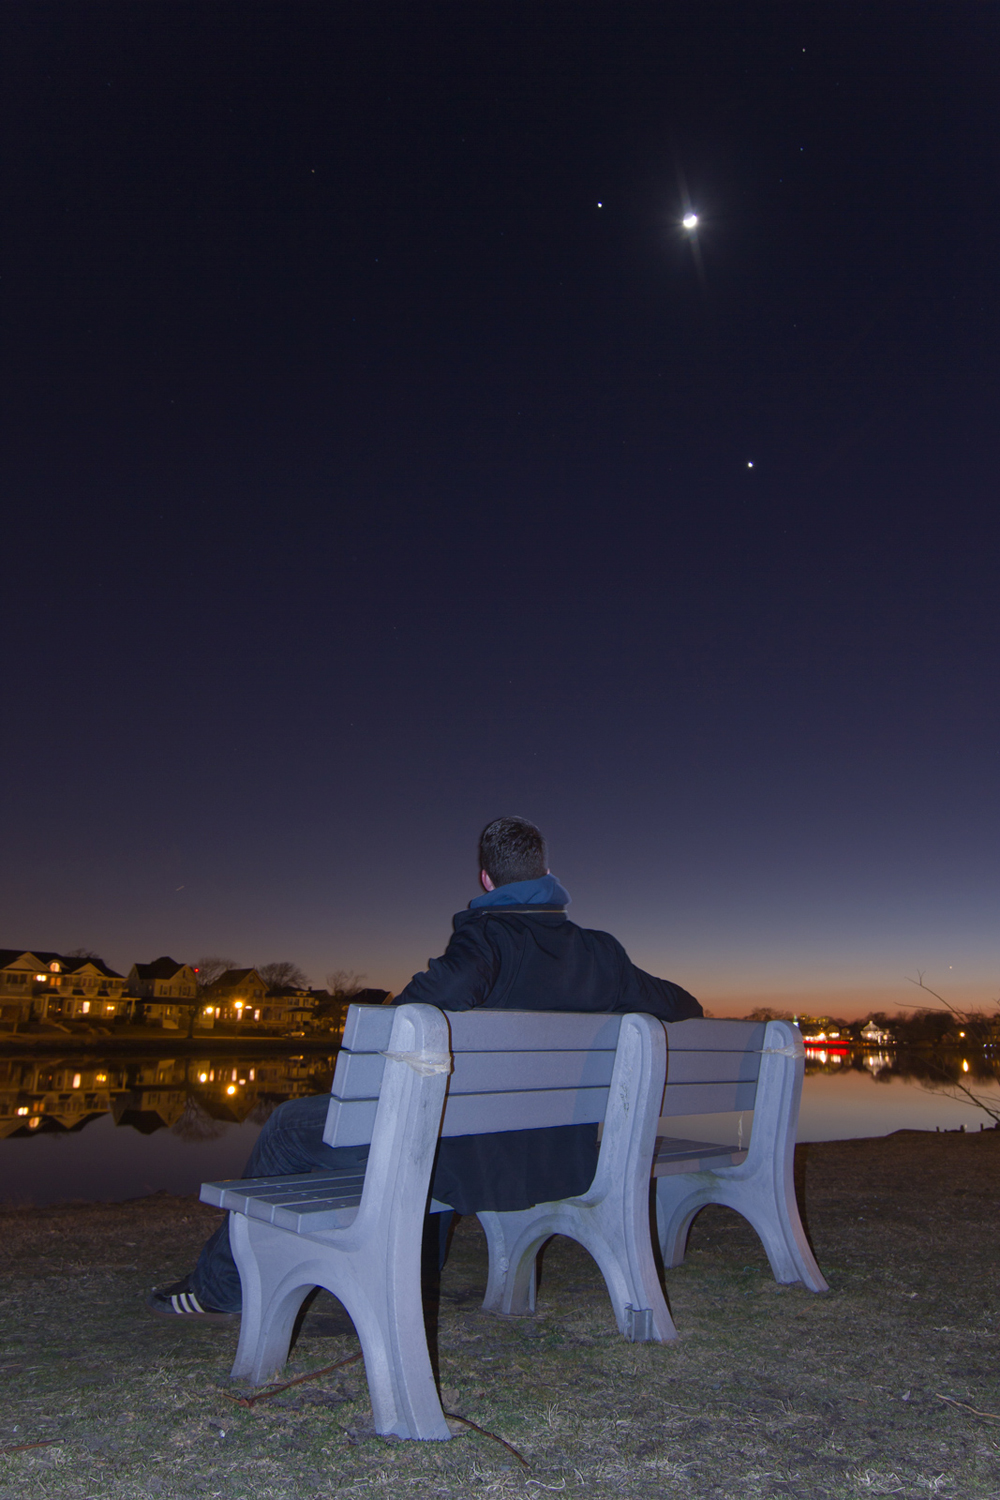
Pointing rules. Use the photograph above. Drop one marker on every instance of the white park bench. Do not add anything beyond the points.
(400, 1069)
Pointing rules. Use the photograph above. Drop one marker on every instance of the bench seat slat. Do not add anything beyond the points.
(315, 1217)
(673, 1154)
(303, 1190)
(281, 1189)
(349, 1189)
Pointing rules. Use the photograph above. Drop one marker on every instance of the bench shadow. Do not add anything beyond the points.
(801, 1163)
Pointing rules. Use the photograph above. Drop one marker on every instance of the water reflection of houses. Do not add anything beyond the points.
(879, 1064)
(149, 1094)
(39, 1095)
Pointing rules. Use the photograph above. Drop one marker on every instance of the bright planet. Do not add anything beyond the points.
(690, 221)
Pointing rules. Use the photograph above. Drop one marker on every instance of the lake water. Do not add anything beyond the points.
(101, 1128)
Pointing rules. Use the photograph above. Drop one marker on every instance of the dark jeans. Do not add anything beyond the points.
(291, 1141)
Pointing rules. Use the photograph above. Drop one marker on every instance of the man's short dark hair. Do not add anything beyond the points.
(512, 849)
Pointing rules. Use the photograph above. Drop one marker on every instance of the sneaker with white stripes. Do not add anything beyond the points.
(179, 1301)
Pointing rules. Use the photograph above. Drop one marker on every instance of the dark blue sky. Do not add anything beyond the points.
(365, 479)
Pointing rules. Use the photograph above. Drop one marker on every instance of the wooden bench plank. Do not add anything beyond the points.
(360, 1076)
(707, 1098)
(711, 1067)
(368, 1027)
(673, 1154)
(705, 1034)
(350, 1122)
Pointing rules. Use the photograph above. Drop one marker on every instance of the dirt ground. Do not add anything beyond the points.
(887, 1385)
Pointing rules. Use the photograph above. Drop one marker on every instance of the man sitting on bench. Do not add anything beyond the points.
(513, 948)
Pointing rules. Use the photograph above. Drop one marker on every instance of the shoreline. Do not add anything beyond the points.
(165, 1045)
(805, 1151)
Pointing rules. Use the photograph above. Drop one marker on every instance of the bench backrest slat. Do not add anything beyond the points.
(519, 1070)
(489, 1072)
(707, 1098)
(703, 1034)
(368, 1027)
(712, 1067)
(484, 1114)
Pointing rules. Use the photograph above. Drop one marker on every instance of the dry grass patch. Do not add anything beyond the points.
(769, 1391)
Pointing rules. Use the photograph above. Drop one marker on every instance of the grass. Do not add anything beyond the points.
(769, 1391)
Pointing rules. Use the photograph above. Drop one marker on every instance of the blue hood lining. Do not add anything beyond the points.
(545, 891)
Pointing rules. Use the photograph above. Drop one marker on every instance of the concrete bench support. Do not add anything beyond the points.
(611, 1220)
(758, 1183)
(372, 1262)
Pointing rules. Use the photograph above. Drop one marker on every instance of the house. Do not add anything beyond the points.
(167, 990)
(38, 984)
(875, 1035)
(90, 990)
(18, 969)
(237, 995)
(285, 1005)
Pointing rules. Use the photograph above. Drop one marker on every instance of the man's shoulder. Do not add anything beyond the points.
(599, 938)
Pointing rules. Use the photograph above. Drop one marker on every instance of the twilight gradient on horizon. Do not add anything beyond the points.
(366, 480)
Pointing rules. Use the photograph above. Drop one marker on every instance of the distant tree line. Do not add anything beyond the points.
(916, 1026)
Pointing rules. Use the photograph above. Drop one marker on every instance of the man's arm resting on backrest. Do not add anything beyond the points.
(663, 998)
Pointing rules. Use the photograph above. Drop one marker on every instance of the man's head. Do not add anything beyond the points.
(511, 849)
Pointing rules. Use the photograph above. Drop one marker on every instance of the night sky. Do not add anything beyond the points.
(377, 457)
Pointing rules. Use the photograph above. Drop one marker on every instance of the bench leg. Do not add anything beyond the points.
(760, 1201)
(511, 1285)
(278, 1269)
(676, 1208)
(629, 1271)
(267, 1321)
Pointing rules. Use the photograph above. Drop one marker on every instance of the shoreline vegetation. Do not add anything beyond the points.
(888, 1384)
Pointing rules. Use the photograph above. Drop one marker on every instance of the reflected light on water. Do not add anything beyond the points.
(118, 1127)
(820, 1055)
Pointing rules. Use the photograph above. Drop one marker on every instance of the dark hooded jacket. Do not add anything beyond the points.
(516, 949)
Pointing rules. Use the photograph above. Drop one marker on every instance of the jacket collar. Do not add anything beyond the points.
(525, 895)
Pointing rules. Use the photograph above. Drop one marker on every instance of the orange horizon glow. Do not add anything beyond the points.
(847, 1003)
